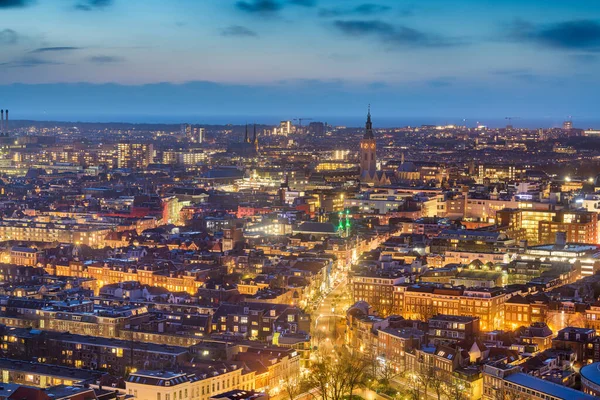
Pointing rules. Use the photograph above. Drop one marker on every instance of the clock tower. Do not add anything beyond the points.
(368, 151)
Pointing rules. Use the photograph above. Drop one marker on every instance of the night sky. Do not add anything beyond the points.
(226, 60)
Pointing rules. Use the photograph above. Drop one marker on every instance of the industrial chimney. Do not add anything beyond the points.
(2, 121)
(6, 124)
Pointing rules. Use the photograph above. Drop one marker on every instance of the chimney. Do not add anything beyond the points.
(6, 123)
(2, 121)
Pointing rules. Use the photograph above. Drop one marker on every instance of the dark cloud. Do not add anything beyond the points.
(392, 35)
(14, 3)
(238, 30)
(362, 28)
(304, 3)
(271, 6)
(365, 9)
(8, 36)
(570, 35)
(91, 5)
(54, 49)
(105, 59)
(371, 8)
(259, 6)
(27, 62)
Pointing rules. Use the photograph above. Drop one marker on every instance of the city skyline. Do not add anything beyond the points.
(299, 200)
(283, 58)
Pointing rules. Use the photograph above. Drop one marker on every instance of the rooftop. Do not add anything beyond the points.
(591, 372)
(547, 387)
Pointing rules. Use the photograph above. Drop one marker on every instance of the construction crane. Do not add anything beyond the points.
(302, 119)
(509, 126)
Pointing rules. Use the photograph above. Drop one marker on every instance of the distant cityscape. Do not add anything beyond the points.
(299, 260)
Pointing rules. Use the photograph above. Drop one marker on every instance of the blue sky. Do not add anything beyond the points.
(128, 59)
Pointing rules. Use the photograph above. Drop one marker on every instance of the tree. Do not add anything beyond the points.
(505, 393)
(414, 386)
(293, 385)
(383, 370)
(387, 372)
(420, 380)
(337, 374)
(455, 390)
(437, 384)
(425, 375)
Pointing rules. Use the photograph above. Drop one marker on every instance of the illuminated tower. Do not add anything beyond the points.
(368, 150)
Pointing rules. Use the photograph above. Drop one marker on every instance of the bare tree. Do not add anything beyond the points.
(419, 381)
(337, 374)
(455, 390)
(437, 383)
(505, 393)
(387, 372)
(293, 385)
(414, 387)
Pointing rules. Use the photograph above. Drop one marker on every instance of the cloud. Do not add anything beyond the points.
(238, 30)
(361, 28)
(365, 9)
(371, 8)
(27, 62)
(14, 3)
(392, 35)
(54, 49)
(526, 75)
(570, 35)
(105, 59)
(304, 3)
(271, 6)
(91, 5)
(8, 36)
(259, 6)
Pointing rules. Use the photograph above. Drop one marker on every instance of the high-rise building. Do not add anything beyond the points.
(285, 128)
(199, 135)
(186, 129)
(368, 151)
(193, 133)
(134, 155)
(196, 134)
(568, 125)
(3, 123)
(316, 128)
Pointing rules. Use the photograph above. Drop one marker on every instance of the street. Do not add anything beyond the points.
(329, 318)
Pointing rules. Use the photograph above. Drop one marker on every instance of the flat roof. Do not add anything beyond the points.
(49, 370)
(547, 387)
(591, 372)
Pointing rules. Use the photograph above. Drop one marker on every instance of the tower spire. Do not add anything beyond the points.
(369, 126)
(246, 136)
(254, 136)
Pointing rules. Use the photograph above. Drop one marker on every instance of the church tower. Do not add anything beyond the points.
(368, 150)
